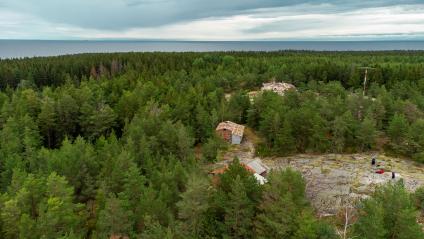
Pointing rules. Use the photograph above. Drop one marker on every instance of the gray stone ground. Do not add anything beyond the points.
(335, 180)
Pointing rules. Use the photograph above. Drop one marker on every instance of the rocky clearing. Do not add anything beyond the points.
(335, 180)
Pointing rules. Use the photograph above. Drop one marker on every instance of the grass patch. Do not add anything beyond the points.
(251, 136)
(325, 171)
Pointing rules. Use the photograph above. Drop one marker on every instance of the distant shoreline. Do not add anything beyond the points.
(39, 48)
(209, 41)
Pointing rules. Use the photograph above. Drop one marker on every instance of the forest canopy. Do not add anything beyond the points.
(103, 145)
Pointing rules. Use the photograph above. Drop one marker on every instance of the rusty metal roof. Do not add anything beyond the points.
(258, 166)
(235, 129)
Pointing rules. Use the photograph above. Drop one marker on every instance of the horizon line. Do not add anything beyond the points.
(260, 40)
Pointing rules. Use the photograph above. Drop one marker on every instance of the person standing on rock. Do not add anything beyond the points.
(373, 161)
(393, 175)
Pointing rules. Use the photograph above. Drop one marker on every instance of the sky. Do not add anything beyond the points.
(212, 20)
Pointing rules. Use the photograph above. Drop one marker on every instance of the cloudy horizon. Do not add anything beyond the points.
(212, 21)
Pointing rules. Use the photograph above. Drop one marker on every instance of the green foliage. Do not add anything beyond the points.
(419, 198)
(77, 162)
(239, 211)
(156, 231)
(366, 134)
(239, 104)
(371, 221)
(233, 205)
(40, 208)
(193, 205)
(58, 214)
(325, 231)
(96, 145)
(284, 210)
(211, 148)
(390, 213)
(398, 129)
(114, 219)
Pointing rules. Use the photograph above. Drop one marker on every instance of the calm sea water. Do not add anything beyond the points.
(30, 48)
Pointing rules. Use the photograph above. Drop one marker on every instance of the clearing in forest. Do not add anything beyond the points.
(334, 180)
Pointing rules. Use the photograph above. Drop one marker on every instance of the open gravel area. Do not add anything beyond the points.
(336, 179)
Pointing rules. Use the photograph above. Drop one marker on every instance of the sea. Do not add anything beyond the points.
(33, 48)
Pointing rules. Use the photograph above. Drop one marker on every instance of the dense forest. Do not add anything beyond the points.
(107, 145)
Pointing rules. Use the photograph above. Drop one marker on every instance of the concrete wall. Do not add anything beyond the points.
(236, 139)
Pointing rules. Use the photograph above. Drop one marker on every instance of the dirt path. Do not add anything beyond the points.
(244, 152)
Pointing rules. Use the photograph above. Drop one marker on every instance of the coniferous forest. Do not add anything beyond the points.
(118, 145)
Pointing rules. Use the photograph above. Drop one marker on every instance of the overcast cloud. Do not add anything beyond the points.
(212, 20)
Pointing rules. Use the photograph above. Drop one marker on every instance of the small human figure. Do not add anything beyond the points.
(393, 175)
(373, 161)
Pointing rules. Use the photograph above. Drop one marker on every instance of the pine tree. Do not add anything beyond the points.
(67, 115)
(366, 134)
(58, 214)
(114, 219)
(211, 148)
(96, 120)
(370, 224)
(284, 212)
(78, 163)
(239, 211)
(10, 215)
(339, 130)
(133, 192)
(204, 124)
(390, 211)
(154, 230)
(285, 142)
(193, 204)
(398, 130)
(47, 121)
(11, 149)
